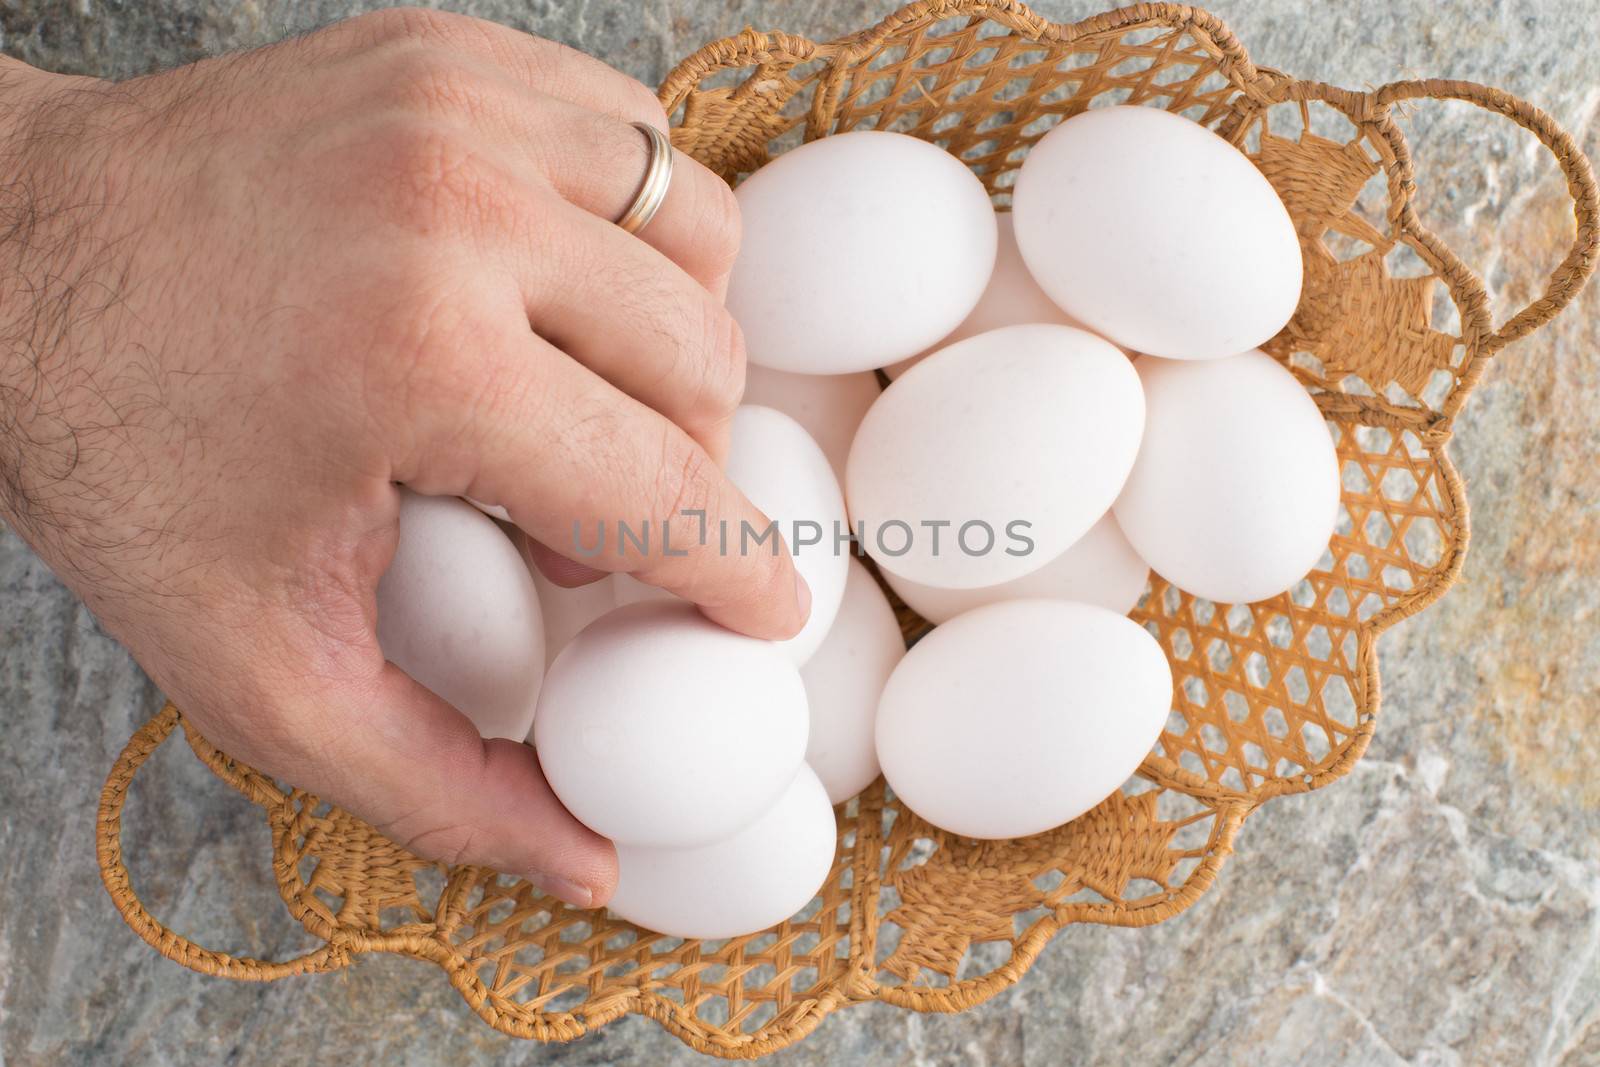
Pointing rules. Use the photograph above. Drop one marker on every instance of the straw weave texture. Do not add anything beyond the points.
(1270, 698)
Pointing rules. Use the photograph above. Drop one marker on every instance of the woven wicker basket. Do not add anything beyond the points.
(1270, 698)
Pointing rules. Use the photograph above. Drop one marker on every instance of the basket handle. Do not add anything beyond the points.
(329, 956)
(1567, 280)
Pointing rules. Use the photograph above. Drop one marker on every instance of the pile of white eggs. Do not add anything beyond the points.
(1076, 399)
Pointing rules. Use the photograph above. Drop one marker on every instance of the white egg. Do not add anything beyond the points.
(658, 727)
(568, 610)
(494, 511)
(1012, 298)
(843, 682)
(859, 249)
(1018, 717)
(741, 885)
(783, 471)
(1100, 568)
(776, 464)
(828, 406)
(1018, 439)
(1236, 490)
(457, 611)
(1157, 233)
(626, 589)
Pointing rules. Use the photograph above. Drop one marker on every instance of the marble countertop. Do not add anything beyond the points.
(1441, 905)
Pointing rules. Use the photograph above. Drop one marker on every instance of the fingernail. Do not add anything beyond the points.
(563, 890)
(802, 596)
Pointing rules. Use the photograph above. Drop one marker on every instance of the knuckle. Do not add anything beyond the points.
(423, 834)
(432, 81)
(428, 177)
(684, 481)
(423, 387)
(404, 24)
(642, 103)
(502, 392)
(722, 366)
(568, 72)
(596, 435)
(719, 226)
(773, 577)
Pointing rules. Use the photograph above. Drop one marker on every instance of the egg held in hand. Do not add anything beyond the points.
(1017, 717)
(783, 472)
(458, 611)
(775, 463)
(567, 610)
(740, 885)
(844, 680)
(658, 727)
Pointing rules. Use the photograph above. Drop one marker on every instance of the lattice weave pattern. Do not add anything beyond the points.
(1270, 698)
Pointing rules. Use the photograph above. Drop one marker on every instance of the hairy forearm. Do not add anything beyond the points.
(57, 284)
(111, 335)
(36, 303)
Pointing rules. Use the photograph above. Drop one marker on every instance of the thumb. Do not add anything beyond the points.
(388, 750)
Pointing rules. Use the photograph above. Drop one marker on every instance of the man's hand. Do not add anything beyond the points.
(241, 300)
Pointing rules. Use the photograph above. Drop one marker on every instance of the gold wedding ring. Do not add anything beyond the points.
(653, 187)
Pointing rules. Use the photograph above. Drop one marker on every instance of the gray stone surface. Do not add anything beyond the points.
(1440, 906)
